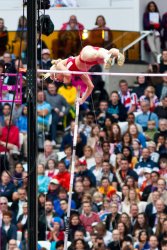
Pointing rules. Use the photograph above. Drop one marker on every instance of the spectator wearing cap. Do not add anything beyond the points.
(46, 60)
(57, 233)
(146, 115)
(53, 190)
(45, 220)
(83, 171)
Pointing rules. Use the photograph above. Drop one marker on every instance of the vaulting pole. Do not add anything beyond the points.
(72, 170)
(32, 131)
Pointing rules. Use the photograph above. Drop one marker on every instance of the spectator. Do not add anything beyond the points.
(151, 130)
(146, 115)
(103, 233)
(59, 108)
(48, 153)
(43, 112)
(113, 217)
(22, 219)
(61, 196)
(88, 217)
(127, 99)
(135, 134)
(40, 46)
(149, 94)
(163, 62)
(3, 204)
(75, 225)
(123, 172)
(101, 27)
(68, 140)
(153, 242)
(43, 181)
(22, 123)
(101, 112)
(17, 206)
(161, 188)
(63, 176)
(69, 92)
(161, 110)
(72, 24)
(46, 60)
(21, 35)
(143, 240)
(45, 220)
(8, 227)
(154, 25)
(115, 244)
(116, 109)
(84, 171)
(162, 130)
(161, 89)
(164, 26)
(6, 110)
(12, 244)
(51, 168)
(6, 186)
(142, 85)
(3, 37)
(57, 233)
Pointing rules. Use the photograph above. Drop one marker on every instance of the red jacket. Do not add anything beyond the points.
(13, 136)
(79, 25)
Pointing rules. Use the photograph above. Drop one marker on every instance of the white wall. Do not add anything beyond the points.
(119, 14)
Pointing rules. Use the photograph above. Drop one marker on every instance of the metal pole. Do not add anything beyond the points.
(32, 135)
(72, 171)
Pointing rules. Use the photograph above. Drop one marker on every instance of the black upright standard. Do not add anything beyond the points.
(32, 130)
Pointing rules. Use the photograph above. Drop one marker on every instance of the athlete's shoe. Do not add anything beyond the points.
(120, 59)
(108, 62)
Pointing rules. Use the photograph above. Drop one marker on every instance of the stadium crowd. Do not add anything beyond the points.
(119, 198)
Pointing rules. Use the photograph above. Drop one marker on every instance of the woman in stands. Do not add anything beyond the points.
(88, 57)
